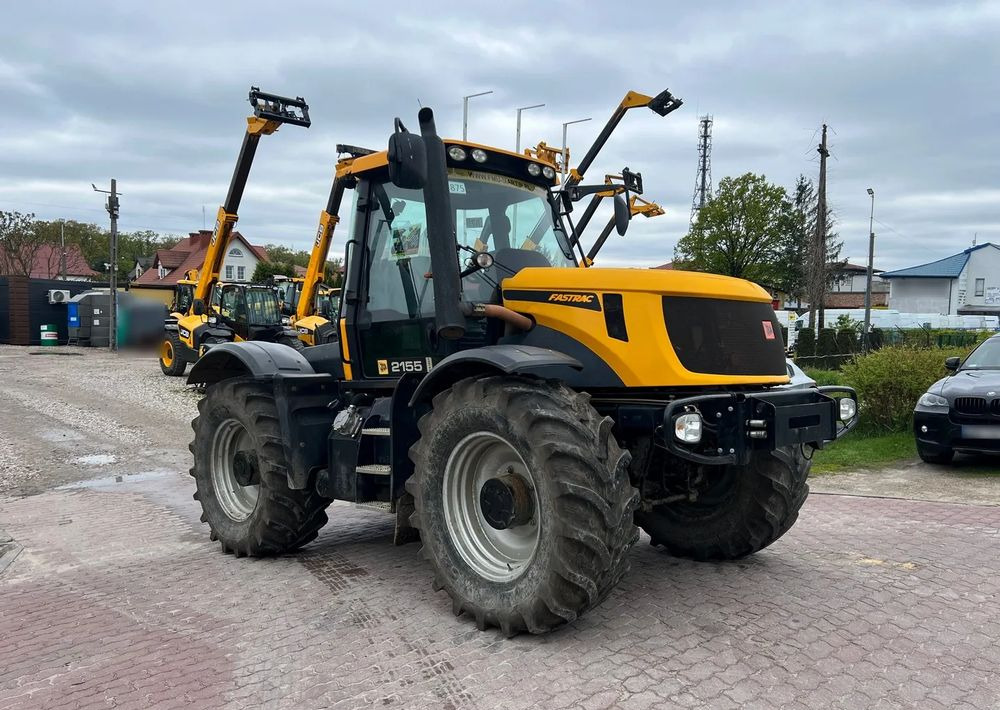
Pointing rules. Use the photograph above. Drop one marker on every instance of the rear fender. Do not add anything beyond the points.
(251, 358)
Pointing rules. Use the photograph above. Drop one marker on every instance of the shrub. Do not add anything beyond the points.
(826, 343)
(825, 377)
(847, 341)
(890, 380)
(805, 344)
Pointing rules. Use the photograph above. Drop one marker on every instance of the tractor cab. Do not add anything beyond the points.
(251, 311)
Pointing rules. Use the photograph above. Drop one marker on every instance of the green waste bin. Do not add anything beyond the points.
(50, 334)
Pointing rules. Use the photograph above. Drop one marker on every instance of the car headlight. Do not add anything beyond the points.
(687, 428)
(848, 408)
(929, 399)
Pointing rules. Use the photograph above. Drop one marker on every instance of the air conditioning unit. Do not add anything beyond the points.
(58, 295)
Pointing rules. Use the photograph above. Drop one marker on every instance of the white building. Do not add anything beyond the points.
(967, 283)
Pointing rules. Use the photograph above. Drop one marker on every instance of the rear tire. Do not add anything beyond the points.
(171, 363)
(293, 343)
(939, 456)
(547, 569)
(239, 415)
(749, 508)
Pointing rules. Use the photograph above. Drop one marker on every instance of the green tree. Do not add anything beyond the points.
(19, 243)
(743, 231)
(266, 270)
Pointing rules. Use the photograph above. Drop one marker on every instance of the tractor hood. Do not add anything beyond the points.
(663, 282)
(650, 328)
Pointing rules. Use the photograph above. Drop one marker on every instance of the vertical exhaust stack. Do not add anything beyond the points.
(441, 234)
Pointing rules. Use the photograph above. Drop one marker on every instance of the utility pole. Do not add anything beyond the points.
(112, 207)
(868, 286)
(465, 112)
(703, 180)
(517, 141)
(62, 241)
(818, 280)
(565, 148)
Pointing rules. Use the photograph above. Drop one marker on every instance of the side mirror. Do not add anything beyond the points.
(622, 215)
(951, 364)
(198, 307)
(407, 156)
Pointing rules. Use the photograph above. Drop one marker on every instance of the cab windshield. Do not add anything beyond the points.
(262, 306)
(985, 357)
(511, 219)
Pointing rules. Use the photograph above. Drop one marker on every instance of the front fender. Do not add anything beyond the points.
(493, 359)
(249, 358)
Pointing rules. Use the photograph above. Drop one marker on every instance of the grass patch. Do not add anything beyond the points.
(857, 451)
(825, 377)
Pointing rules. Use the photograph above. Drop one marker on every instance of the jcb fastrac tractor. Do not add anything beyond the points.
(207, 312)
(521, 411)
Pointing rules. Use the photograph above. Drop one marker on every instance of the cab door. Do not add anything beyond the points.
(233, 310)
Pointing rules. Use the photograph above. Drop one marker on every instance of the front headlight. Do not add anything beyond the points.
(687, 428)
(934, 401)
(848, 408)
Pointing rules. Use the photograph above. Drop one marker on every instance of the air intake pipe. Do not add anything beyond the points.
(441, 237)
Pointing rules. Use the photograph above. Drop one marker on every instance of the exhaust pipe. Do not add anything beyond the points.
(441, 236)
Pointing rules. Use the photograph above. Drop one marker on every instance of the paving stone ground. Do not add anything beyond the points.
(118, 599)
(112, 596)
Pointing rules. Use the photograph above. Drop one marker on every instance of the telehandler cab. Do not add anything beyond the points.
(206, 312)
(522, 413)
(314, 323)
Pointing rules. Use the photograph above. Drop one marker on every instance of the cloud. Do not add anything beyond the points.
(155, 96)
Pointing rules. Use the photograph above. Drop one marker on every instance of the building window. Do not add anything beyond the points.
(229, 273)
(980, 287)
(241, 273)
(160, 271)
(235, 252)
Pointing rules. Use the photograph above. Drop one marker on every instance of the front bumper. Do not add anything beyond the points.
(936, 432)
(735, 424)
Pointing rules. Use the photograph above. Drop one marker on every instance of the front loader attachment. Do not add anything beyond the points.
(279, 109)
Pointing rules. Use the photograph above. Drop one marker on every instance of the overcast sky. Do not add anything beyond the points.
(154, 94)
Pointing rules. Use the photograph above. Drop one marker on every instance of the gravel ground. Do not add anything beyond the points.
(73, 414)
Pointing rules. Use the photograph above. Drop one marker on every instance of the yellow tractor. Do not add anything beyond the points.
(207, 312)
(312, 318)
(520, 411)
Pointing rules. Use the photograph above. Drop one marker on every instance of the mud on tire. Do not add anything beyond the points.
(280, 519)
(750, 508)
(584, 501)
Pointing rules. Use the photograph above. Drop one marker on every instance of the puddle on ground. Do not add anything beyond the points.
(112, 480)
(95, 460)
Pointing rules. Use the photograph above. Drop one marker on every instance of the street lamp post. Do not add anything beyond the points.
(465, 112)
(565, 156)
(517, 141)
(865, 338)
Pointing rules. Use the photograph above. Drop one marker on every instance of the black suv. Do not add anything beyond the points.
(961, 412)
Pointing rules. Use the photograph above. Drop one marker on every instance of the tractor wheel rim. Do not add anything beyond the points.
(237, 501)
(496, 555)
(167, 353)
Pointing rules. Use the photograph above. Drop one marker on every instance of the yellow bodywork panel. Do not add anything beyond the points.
(307, 326)
(647, 359)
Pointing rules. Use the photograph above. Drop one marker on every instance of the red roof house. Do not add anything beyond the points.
(170, 265)
(47, 263)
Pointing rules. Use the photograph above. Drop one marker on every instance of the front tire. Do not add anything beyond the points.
(742, 511)
(238, 441)
(171, 363)
(547, 453)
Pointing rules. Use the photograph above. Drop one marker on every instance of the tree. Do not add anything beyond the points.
(742, 231)
(266, 270)
(19, 243)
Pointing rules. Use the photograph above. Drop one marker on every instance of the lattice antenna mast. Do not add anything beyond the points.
(703, 181)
